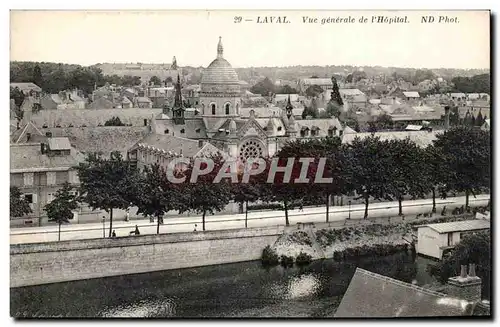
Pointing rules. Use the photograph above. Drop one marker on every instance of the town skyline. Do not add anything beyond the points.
(299, 44)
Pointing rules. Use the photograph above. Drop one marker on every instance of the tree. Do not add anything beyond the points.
(264, 87)
(367, 165)
(434, 171)
(155, 80)
(107, 184)
(37, 76)
(245, 192)
(60, 210)
(467, 151)
(309, 111)
(286, 89)
(335, 96)
(422, 75)
(479, 119)
(405, 176)
(155, 194)
(204, 196)
(168, 80)
(383, 122)
(19, 206)
(18, 96)
(114, 121)
(314, 90)
(474, 248)
(333, 109)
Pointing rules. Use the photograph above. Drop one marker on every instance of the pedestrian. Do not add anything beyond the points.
(127, 215)
(137, 230)
(113, 234)
(195, 227)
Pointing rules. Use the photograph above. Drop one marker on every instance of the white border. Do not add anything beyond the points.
(190, 4)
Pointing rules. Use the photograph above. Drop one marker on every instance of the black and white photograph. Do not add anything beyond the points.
(198, 164)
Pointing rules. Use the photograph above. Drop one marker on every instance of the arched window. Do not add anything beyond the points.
(203, 108)
(227, 108)
(213, 108)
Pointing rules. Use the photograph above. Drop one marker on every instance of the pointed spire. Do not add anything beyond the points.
(178, 94)
(220, 48)
(289, 108)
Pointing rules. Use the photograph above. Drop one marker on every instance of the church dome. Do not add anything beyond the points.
(220, 70)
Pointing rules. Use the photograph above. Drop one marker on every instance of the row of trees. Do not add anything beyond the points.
(56, 77)
(369, 168)
(266, 87)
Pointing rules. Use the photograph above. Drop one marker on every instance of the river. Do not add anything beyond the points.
(231, 290)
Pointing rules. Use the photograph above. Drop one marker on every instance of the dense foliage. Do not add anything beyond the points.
(19, 206)
(60, 210)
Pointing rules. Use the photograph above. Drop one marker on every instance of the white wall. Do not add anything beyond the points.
(429, 242)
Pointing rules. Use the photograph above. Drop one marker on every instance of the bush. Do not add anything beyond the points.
(265, 206)
(303, 259)
(269, 257)
(301, 238)
(286, 261)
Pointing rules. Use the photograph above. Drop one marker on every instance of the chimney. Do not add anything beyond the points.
(446, 117)
(466, 286)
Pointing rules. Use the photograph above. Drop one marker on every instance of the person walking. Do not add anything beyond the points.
(195, 227)
(137, 230)
(113, 234)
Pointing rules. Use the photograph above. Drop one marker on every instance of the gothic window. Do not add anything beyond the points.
(227, 108)
(251, 149)
(213, 108)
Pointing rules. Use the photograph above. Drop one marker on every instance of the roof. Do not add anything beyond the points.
(219, 71)
(350, 92)
(421, 138)
(414, 127)
(371, 295)
(178, 145)
(26, 87)
(59, 143)
(457, 95)
(103, 139)
(411, 94)
(317, 81)
(143, 99)
(322, 124)
(284, 97)
(194, 128)
(80, 117)
(348, 130)
(28, 158)
(20, 135)
(260, 112)
(459, 226)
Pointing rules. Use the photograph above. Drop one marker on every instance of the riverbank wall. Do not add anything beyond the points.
(45, 263)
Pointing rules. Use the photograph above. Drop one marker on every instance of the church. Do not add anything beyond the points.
(220, 123)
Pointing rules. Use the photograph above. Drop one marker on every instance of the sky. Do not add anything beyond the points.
(91, 37)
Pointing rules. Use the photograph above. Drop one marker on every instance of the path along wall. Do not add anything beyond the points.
(43, 263)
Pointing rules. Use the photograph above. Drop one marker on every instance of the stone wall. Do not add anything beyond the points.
(43, 263)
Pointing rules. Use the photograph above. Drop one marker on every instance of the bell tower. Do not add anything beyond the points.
(178, 108)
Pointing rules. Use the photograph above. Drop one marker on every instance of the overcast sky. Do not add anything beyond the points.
(88, 38)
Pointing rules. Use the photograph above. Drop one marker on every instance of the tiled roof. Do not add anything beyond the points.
(28, 158)
(187, 147)
(260, 112)
(20, 135)
(348, 130)
(421, 138)
(102, 103)
(219, 72)
(80, 117)
(194, 128)
(26, 87)
(322, 124)
(105, 139)
(350, 92)
(371, 295)
(460, 226)
(59, 143)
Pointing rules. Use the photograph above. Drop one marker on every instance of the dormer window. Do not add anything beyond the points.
(166, 131)
(279, 128)
(197, 130)
(182, 131)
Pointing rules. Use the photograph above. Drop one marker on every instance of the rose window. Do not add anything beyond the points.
(251, 149)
